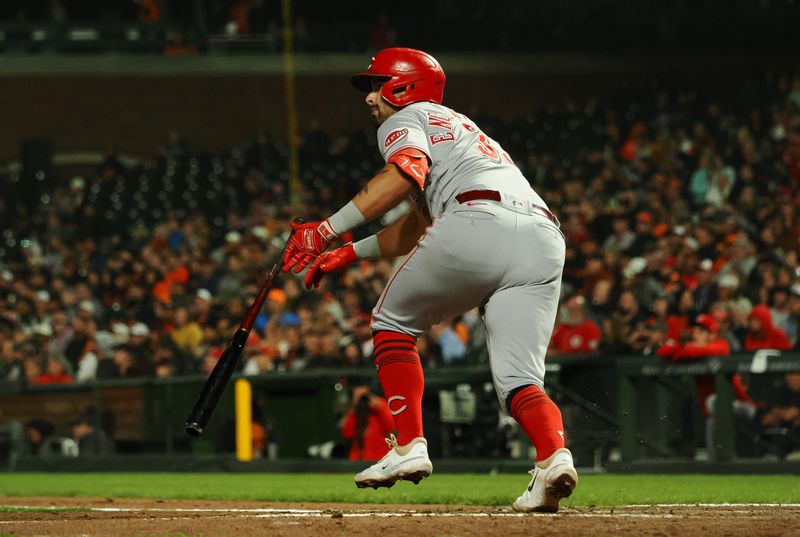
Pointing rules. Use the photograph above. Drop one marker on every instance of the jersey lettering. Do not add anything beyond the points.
(437, 137)
(459, 156)
(439, 120)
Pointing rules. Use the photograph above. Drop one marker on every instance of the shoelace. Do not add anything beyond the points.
(391, 441)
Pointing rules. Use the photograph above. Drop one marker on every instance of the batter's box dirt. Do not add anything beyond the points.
(145, 518)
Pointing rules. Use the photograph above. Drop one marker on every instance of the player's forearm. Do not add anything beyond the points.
(395, 240)
(400, 237)
(383, 192)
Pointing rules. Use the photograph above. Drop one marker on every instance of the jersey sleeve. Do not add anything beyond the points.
(405, 129)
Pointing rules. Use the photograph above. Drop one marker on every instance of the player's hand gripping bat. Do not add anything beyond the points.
(219, 377)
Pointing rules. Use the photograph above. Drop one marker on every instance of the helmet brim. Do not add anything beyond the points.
(363, 81)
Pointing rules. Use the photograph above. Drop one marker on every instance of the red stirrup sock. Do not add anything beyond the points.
(540, 418)
(400, 375)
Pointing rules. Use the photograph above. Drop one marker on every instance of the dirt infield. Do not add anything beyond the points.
(100, 517)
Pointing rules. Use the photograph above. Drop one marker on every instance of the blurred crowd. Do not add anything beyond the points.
(680, 213)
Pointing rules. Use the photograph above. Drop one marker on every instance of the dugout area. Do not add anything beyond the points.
(622, 414)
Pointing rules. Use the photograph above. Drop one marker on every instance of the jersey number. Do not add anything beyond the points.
(486, 149)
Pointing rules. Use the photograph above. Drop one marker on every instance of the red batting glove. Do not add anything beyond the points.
(308, 241)
(329, 262)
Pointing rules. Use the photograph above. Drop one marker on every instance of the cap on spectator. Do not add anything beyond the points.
(260, 232)
(706, 264)
(87, 306)
(644, 216)
(795, 289)
(42, 296)
(205, 294)
(692, 243)
(290, 319)
(140, 329)
(634, 267)
(679, 230)
(729, 281)
(121, 329)
(77, 183)
(660, 230)
(42, 329)
(7, 275)
(708, 322)
(278, 295)
(233, 236)
(216, 352)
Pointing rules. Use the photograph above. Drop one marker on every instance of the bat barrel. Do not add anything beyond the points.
(215, 385)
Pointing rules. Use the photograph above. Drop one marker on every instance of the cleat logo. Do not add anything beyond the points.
(530, 487)
(393, 399)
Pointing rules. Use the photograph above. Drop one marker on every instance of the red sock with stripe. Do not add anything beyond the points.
(540, 418)
(400, 375)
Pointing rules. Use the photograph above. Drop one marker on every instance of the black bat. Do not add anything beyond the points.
(221, 375)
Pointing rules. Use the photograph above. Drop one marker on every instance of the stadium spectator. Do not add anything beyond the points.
(698, 182)
(762, 332)
(87, 431)
(781, 421)
(55, 373)
(575, 333)
(37, 434)
(383, 33)
(186, 333)
(367, 424)
(452, 345)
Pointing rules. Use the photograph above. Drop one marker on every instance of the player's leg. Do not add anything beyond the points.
(519, 322)
(437, 281)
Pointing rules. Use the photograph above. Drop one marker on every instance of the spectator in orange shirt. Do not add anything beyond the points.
(368, 424)
(576, 333)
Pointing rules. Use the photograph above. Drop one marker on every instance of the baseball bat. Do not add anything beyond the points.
(221, 375)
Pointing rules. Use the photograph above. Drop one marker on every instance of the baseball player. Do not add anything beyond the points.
(478, 237)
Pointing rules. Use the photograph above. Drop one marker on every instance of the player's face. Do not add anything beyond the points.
(379, 109)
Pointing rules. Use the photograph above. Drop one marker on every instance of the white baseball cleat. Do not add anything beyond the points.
(409, 462)
(553, 479)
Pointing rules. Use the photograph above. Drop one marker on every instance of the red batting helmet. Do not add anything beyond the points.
(410, 76)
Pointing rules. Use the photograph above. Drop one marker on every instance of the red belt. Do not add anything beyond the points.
(494, 195)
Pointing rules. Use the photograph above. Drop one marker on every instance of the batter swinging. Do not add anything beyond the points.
(479, 236)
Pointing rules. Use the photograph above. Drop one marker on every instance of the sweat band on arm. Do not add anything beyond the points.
(346, 218)
(368, 248)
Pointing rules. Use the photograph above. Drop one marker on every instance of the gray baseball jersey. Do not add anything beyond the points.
(505, 256)
(462, 157)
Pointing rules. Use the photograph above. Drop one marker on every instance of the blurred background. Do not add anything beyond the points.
(154, 152)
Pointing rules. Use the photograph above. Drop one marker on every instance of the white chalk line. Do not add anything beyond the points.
(277, 513)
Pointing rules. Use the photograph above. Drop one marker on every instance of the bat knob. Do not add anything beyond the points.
(194, 429)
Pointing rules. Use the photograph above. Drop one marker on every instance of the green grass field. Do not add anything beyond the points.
(461, 489)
